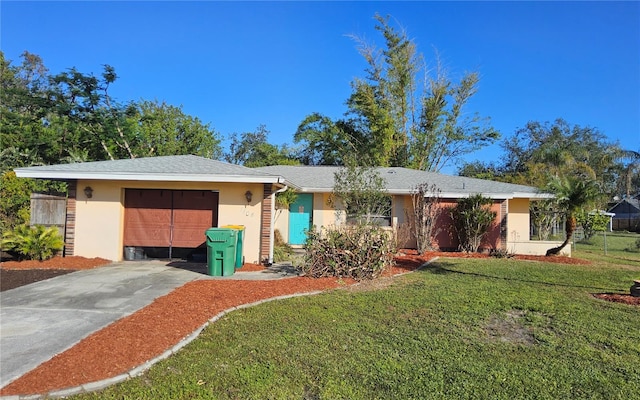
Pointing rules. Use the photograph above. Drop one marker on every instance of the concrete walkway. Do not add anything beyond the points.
(40, 320)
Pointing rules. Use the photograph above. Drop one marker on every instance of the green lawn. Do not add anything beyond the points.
(476, 329)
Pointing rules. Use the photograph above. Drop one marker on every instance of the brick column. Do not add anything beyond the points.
(70, 222)
(265, 224)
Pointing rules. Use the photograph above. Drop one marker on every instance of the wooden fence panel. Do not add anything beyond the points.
(49, 211)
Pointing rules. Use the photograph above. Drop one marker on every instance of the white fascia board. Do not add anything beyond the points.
(123, 176)
(458, 195)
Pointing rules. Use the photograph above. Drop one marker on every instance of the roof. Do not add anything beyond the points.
(183, 168)
(403, 181)
(310, 179)
(626, 206)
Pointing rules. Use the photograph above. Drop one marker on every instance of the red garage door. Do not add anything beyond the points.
(168, 218)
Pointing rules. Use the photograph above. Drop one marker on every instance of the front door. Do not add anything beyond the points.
(300, 218)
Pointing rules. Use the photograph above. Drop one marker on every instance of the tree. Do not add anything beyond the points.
(327, 142)
(360, 192)
(393, 121)
(83, 102)
(572, 194)
(592, 222)
(630, 172)
(162, 129)
(426, 211)
(24, 110)
(252, 150)
(561, 149)
(471, 221)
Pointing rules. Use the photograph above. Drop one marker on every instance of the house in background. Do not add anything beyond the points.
(163, 205)
(627, 214)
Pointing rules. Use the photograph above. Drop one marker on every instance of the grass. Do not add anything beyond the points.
(462, 328)
(620, 248)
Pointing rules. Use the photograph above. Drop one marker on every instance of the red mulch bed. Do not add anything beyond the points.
(71, 262)
(135, 339)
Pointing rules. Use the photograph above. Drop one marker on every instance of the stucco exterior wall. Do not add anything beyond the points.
(517, 225)
(100, 220)
(518, 222)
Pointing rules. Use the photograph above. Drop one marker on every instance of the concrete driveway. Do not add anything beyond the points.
(40, 320)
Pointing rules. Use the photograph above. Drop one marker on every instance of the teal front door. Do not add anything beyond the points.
(300, 218)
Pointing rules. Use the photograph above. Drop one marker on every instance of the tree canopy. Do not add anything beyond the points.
(538, 152)
(400, 113)
(71, 116)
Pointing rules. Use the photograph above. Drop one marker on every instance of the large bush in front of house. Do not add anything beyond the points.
(472, 218)
(33, 243)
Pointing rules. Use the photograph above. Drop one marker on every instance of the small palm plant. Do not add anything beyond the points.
(572, 194)
(33, 243)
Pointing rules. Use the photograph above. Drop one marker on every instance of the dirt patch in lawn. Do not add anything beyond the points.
(509, 328)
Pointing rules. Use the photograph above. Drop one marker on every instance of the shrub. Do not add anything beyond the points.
(282, 251)
(357, 251)
(33, 243)
(471, 221)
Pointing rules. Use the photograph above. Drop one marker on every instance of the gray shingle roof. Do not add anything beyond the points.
(171, 168)
(403, 181)
(189, 168)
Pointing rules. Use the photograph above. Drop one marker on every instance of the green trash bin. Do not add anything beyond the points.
(239, 244)
(221, 251)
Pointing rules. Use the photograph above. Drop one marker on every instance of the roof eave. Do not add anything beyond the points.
(123, 176)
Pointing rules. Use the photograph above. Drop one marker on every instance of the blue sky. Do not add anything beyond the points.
(237, 65)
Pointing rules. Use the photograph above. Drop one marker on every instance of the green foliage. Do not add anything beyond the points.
(162, 129)
(544, 216)
(15, 194)
(392, 120)
(282, 251)
(33, 243)
(71, 116)
(573, 193)
(286, 198)
(472, 219)
(534, 153)
(252, 150)
(328, 142)
(360, 192)
(357, 251)
(592, 222)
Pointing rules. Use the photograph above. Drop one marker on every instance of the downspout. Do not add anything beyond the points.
(273, 221)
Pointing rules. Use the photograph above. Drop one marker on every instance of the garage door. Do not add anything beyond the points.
(168, 218)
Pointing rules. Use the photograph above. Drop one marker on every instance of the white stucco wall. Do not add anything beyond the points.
(100, 220)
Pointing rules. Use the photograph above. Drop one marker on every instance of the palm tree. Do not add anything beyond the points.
(572, 194)
(633, 166)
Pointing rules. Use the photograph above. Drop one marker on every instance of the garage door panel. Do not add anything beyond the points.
(193, 214)
(147, 217)
(147, 227)
(165, 218)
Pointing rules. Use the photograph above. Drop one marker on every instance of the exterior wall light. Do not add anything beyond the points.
(88, 192)
(248, 195)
